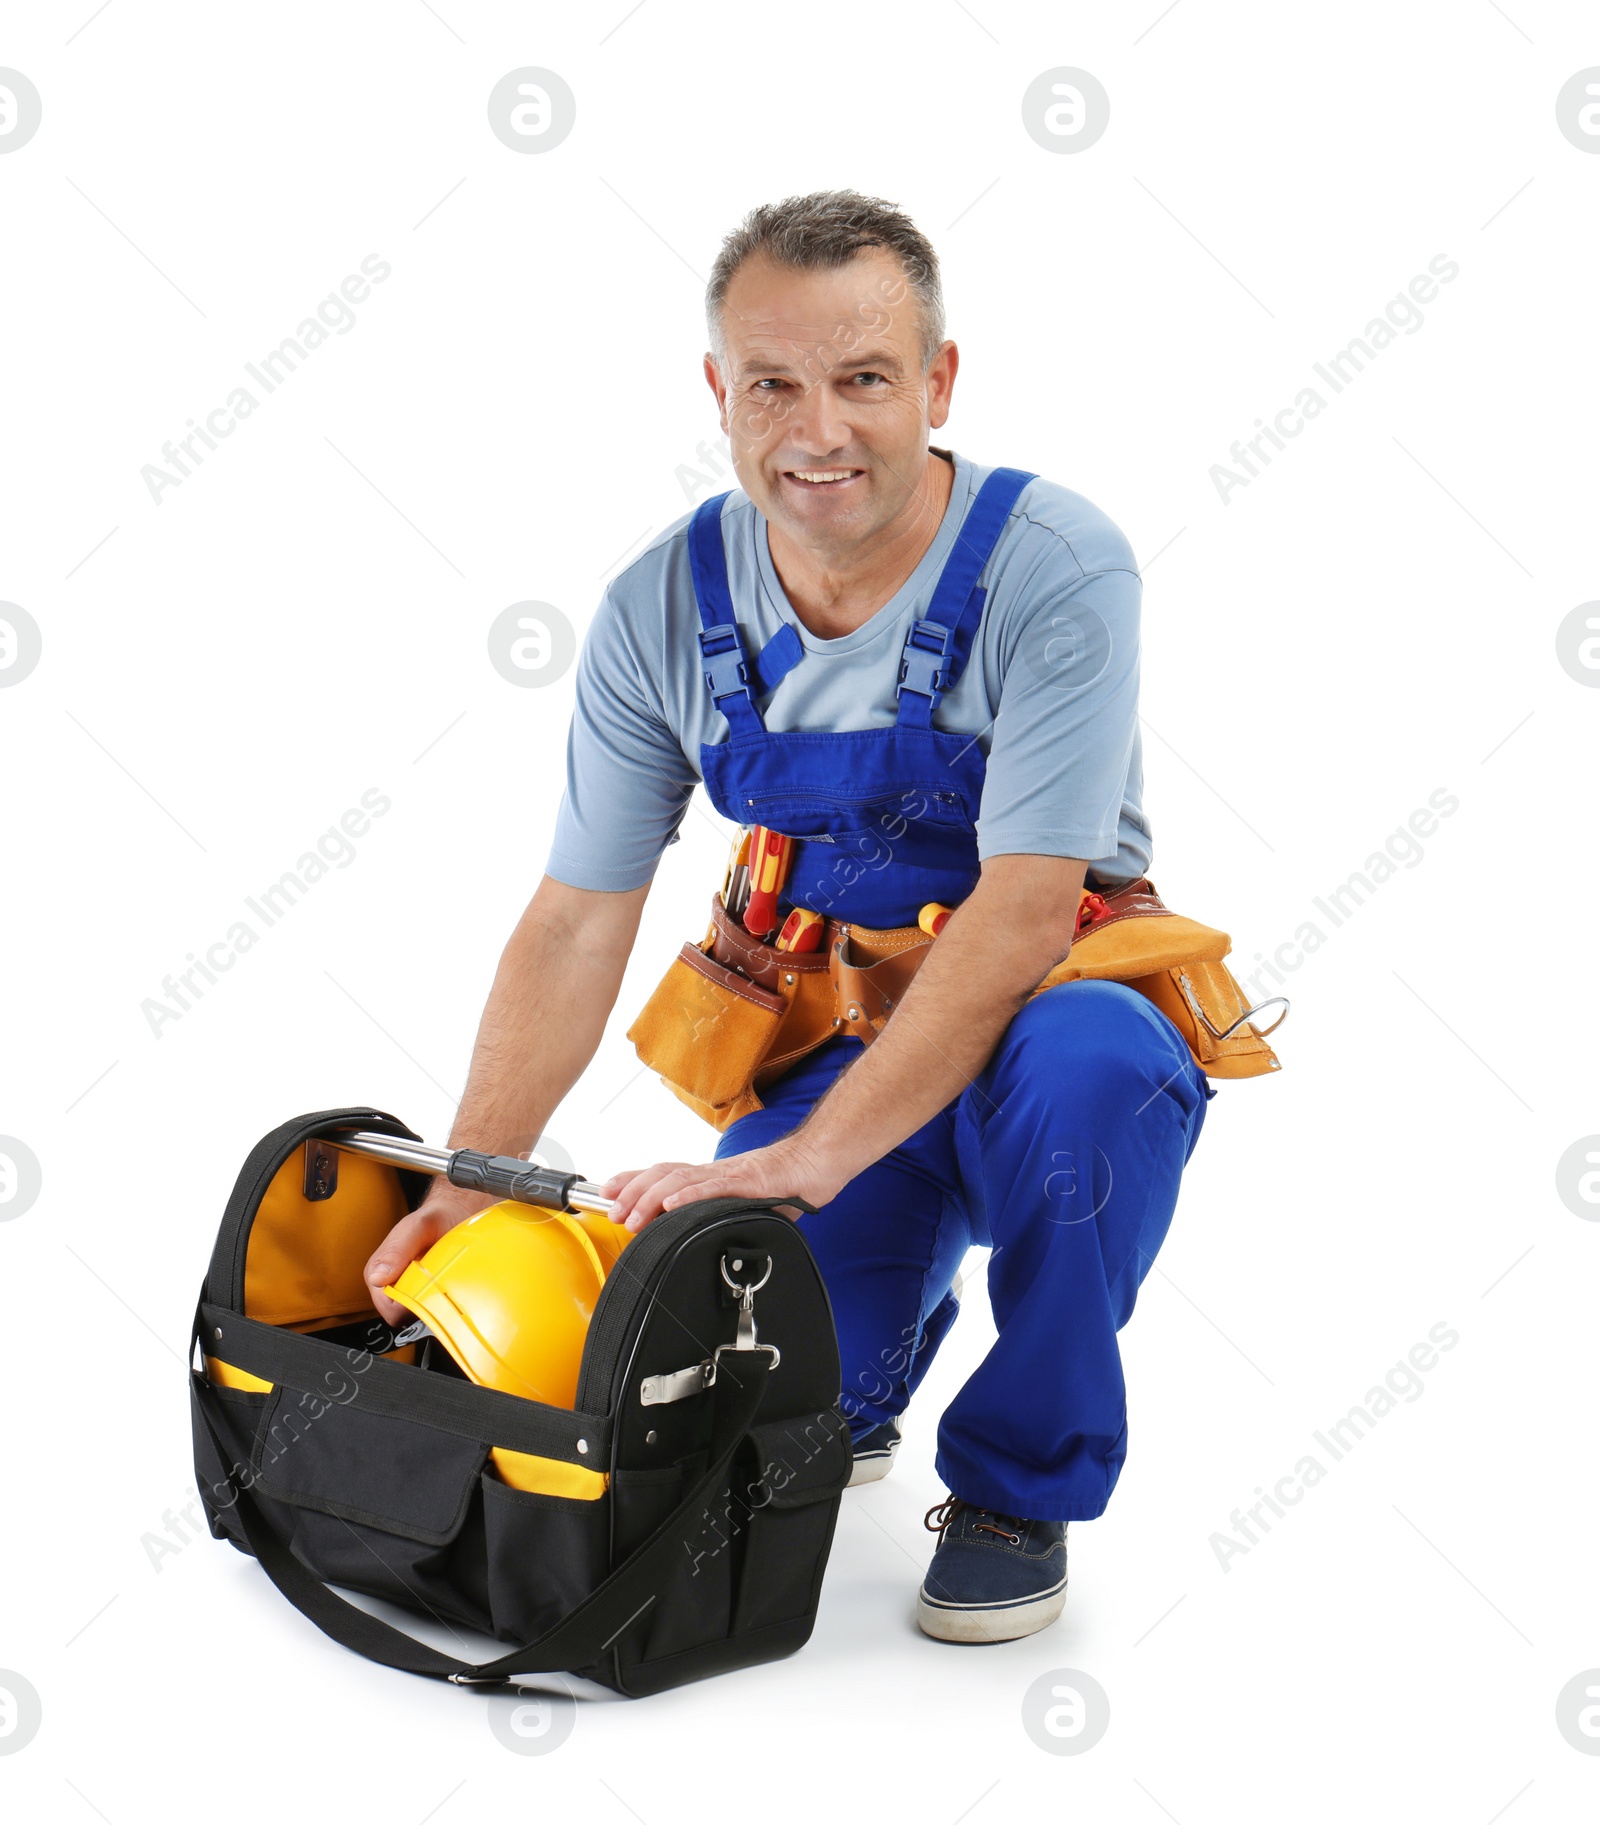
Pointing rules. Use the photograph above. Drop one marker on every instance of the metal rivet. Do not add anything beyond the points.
(217, 1333)
(650, 1438)
(788, 978)
(737, 1265)
(855, 1013)
(583, 1447)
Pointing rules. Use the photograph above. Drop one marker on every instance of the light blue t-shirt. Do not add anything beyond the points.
(1050, 693)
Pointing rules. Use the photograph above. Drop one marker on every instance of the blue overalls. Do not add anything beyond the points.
(1063, 1156)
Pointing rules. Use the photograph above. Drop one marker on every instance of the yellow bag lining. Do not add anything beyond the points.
(549, 1475)
(304, 1260)
(225, 1375)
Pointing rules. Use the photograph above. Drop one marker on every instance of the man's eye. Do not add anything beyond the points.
(770, 381)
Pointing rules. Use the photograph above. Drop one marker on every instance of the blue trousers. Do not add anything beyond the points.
(1063, 1158)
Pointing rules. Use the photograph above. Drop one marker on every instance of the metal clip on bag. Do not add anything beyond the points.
(733, 1014)
(700, 1463)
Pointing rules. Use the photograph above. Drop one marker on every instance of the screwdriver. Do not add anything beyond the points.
(769, 866)
(802, 931)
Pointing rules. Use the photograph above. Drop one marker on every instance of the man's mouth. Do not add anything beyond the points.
(821, 479)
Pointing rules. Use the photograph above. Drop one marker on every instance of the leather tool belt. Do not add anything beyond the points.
(732, 1014)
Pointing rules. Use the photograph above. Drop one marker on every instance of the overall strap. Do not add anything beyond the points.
(722, 655)
(938, 646)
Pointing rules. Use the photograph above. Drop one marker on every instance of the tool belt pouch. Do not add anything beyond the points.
(729, 1013)
(1176, 963)
(675, 1523)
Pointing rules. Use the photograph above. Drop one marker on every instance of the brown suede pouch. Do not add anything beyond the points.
(1175, 962)
(1202, 1000)
(706, 1030)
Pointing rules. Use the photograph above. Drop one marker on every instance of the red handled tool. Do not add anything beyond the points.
(802, 931)
(770, 855)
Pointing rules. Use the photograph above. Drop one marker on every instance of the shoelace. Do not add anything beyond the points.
(951, 1506)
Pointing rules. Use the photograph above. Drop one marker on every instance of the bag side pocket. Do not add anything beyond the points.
(545, 1554)
(237, 1417)
(801, 1466)
(375, 1503)
(694, 1602)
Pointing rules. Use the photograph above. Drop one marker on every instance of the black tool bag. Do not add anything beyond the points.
(333, 1456)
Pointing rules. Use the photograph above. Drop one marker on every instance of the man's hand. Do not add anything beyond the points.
(445, 1206)
(556, 983)
(786, 1169)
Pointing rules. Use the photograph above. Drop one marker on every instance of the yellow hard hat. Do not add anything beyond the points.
(510, 1292)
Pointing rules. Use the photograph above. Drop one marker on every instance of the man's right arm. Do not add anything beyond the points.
(556, 985)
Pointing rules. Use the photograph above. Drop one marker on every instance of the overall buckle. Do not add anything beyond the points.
(923, 661)
(722, 654)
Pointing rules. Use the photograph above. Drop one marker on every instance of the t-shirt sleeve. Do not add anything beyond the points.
(1065, 728)
(628, 778)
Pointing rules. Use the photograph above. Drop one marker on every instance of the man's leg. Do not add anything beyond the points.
(1072, 1143)
(888, 1246)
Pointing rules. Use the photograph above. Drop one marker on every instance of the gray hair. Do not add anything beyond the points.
(826, 229)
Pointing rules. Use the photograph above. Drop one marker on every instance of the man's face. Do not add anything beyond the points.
(825, 400)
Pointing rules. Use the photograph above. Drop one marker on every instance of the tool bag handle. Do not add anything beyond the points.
(582, 1636)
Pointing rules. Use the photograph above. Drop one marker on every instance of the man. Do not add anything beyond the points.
(1000, 753)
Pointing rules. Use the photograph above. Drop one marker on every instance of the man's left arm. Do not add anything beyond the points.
(1010, 931)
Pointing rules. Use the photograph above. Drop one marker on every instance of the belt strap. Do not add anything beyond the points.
(869, 972)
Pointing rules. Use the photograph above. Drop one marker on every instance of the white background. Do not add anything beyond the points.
(1371, 619)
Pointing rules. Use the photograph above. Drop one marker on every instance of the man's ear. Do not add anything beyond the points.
(714, 381)
(941, 381)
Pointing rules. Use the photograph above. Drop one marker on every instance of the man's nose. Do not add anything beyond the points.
(820, 424)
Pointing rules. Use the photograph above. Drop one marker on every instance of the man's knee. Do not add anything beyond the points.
(1091, 1033)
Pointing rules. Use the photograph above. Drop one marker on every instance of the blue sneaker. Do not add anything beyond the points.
(993, 1577)
(874, 1454)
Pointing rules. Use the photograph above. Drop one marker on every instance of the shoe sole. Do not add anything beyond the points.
(993, 1622)
(870, 1469)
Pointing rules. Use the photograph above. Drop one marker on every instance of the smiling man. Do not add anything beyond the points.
(921, 673)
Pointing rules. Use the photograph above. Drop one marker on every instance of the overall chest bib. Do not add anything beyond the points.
(883, 819)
